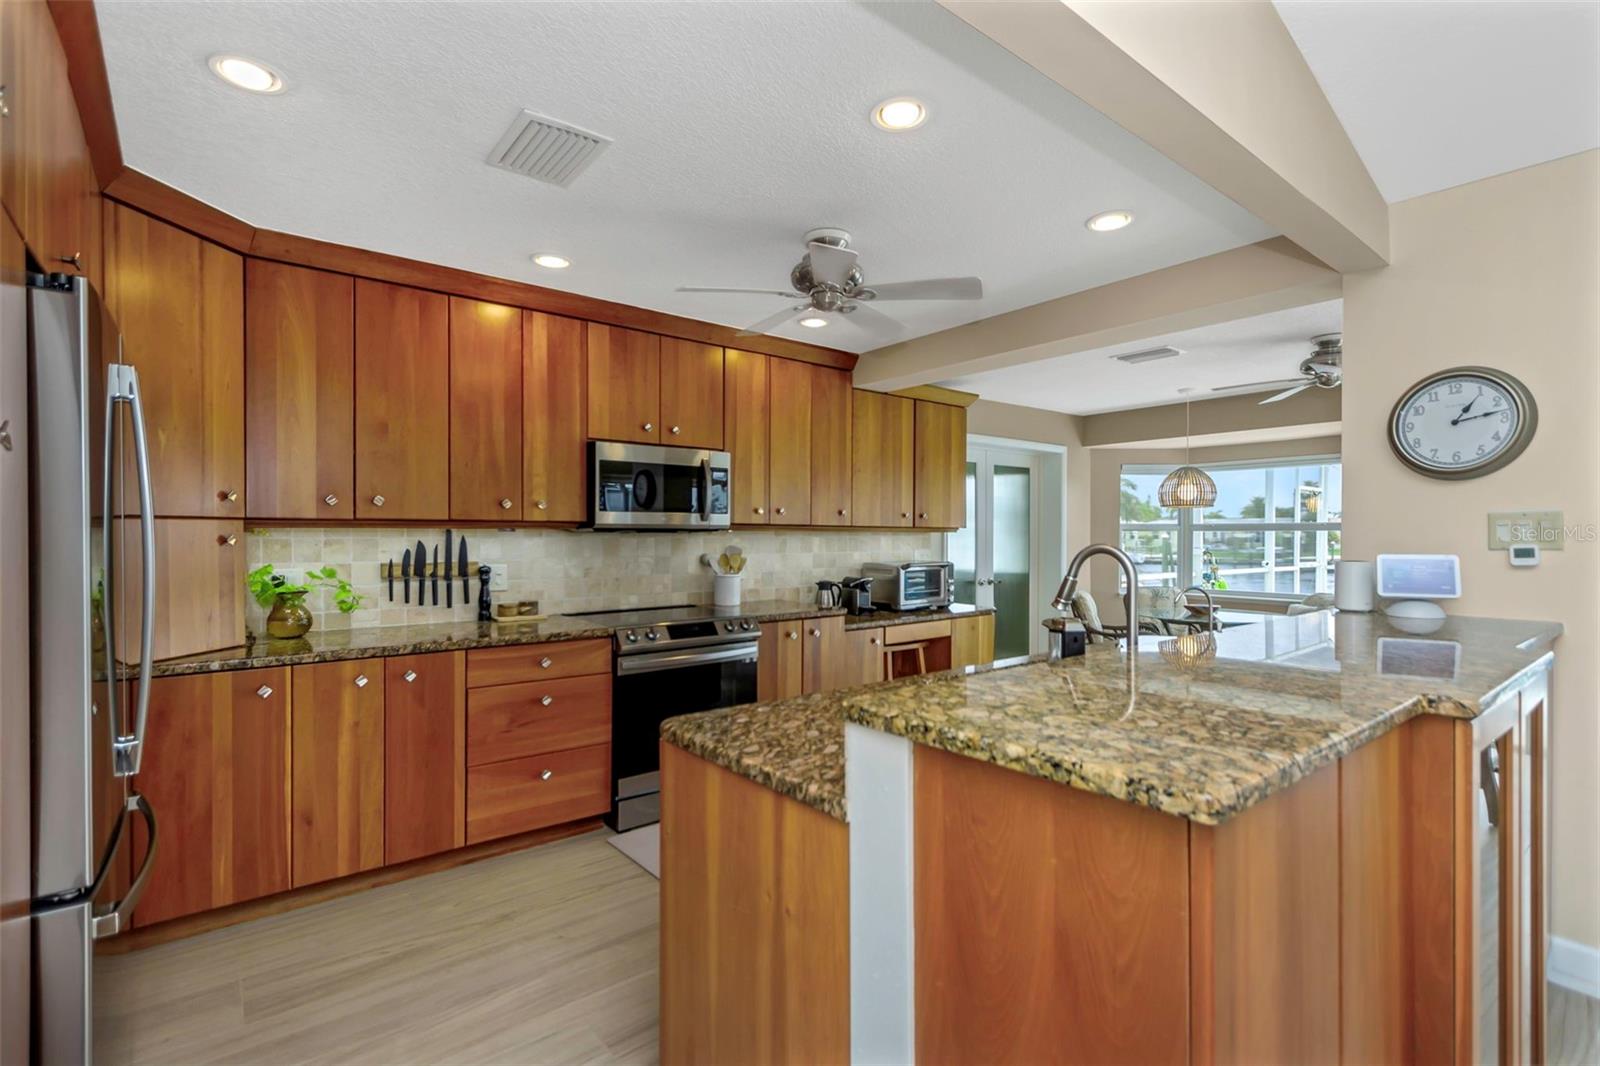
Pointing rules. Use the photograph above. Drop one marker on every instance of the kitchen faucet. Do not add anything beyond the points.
(1130, 595)
(1211, 604)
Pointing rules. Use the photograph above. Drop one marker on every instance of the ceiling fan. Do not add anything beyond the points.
(829, 279)
(1322, 369)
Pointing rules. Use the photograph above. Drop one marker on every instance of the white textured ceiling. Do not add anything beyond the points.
(1438, 93)
(737, 127)
(1247, 350)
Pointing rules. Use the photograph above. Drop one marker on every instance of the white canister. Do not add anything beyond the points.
(725, 590)
(1353, 586)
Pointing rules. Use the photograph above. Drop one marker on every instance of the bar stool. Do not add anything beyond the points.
(889, 651)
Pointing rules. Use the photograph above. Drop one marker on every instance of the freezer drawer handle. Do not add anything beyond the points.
(115, 920)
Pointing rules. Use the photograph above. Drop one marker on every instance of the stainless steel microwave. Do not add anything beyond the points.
(910, 586)
(647, 486)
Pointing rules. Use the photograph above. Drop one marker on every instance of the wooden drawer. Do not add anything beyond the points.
(511, 721)
(514, 796)
(911, 631)
(537, 662)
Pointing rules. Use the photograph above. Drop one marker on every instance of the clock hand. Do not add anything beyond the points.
(1463, 413)
(1469, 418)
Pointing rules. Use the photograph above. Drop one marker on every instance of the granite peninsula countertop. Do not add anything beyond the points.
(1204, 738)
(320, 646)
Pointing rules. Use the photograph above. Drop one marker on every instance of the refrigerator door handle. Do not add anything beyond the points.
(127, 749)
(115, 920)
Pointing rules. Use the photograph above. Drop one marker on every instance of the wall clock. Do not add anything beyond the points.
(1461, 423)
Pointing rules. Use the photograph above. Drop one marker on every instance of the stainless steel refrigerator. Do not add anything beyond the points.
(92, 616)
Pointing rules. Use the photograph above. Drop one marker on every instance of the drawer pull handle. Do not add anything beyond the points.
(546, 700)
(361, 681)
(228, 495)
(331, 500)
(227, 540)
(505, 503)
(545, 775)
(377, 501)
(546, 663)
(264, 691)
(409, 676)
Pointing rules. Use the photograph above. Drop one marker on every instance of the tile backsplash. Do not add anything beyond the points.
(574, 570)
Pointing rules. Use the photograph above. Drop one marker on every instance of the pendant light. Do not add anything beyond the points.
(1187, 486)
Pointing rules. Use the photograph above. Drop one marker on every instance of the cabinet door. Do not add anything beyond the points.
(1533, 825)
(691, 394)
(880, 459)
(337, 754)
(745, 430)
(179, 302)
(1495, 959)
(779, 661)
(485, 411)
(859, 659)
(199, 587)
(972, 641)
(789, 465)
(822, 648)
(554, 458)
(830, 446)
(425, 762)
(402, 409)
(299, 354)
(216, 771)
(941, 465)
(624, 384)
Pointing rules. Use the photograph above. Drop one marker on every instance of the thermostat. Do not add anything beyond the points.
(1524, 554)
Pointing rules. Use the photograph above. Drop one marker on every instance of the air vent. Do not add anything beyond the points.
(542, 148)
(1149, 355)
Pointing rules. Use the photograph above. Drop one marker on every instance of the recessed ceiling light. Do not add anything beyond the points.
(814, 322)
(1106, 221)
(246, 74)
(552, 262)
(899, 114)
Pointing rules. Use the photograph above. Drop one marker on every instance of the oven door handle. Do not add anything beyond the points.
(674, 660)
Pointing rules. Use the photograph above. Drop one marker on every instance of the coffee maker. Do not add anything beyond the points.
(857, 595)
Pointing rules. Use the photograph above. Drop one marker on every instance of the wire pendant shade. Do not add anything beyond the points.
(1187, 486)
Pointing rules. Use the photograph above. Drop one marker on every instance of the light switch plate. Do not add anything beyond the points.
(499, 579)
(1543, 528)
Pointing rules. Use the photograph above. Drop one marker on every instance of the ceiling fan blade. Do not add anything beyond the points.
(1286, 393)
(868, 318)
(771, 322)
(831, 265)
(785, 293)
(930, 289)
(1258, 386)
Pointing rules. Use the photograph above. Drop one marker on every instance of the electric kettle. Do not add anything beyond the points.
(829, 594)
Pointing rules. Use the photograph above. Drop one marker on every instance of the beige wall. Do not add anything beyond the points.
(1207, 418)
(1502, 272)
(988, 419)
(1105, 494)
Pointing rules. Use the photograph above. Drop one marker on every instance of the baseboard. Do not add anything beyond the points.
(1575, 966)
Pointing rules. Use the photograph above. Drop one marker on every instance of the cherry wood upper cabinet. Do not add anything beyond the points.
(941, 465)
(789, 420)
(336, 794)
(216, 768)
(485, 411)
(299, 354)
(199, 586)
(881, 473)
(745, 414)
(179, 302)
(830, 446)
(691, 394)
(553, 418)
(402, 409)
(624, 384)
(425, 762)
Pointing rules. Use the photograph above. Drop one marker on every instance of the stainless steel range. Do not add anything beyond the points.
(670, 661)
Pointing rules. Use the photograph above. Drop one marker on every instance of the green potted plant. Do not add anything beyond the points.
(287, 614)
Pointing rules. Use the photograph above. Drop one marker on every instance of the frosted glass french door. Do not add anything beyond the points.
(994, 555)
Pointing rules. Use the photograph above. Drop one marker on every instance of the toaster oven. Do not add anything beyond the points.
(910, 586)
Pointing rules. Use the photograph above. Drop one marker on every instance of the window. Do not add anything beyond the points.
(1274, 530)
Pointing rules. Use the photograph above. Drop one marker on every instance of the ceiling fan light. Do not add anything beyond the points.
(813, 322)
(1187, 486)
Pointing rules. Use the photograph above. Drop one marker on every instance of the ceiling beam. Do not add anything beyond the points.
(1254, 280)
(1221, 89)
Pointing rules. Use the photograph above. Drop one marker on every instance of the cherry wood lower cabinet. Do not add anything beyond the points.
(780, 664)
(216, 772)
(859, 659)
(338, 780)
(972, 641)
(425, 748)
(522, 794)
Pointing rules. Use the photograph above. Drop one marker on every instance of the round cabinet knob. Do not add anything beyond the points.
(783, 510)
(905, 514)
(228, 495)
(545, 775)
(794, 634)
(361, 681)
(924, 514)
(545, 701)
(816, 632)
(377, 501)
(409, 676)
(542, 505)
(331, 500)
(673, 431)
(649, 427)
(546, 663)
(505, 503)
(872, 640)
(842, 512)
(264, 691)
(761, 510)
(227, 540)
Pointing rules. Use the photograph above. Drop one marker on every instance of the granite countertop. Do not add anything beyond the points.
(321, 646)
(1201, 739)
(882, 617)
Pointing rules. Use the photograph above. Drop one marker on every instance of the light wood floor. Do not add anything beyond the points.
(545, 956)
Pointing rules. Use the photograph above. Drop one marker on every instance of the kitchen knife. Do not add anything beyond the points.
(449, 586)
(391, 579)
(405, 573)
(436, 575)
(461, 567)
(419, 563)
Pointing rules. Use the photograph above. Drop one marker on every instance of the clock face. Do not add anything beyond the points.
(1462, 423)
